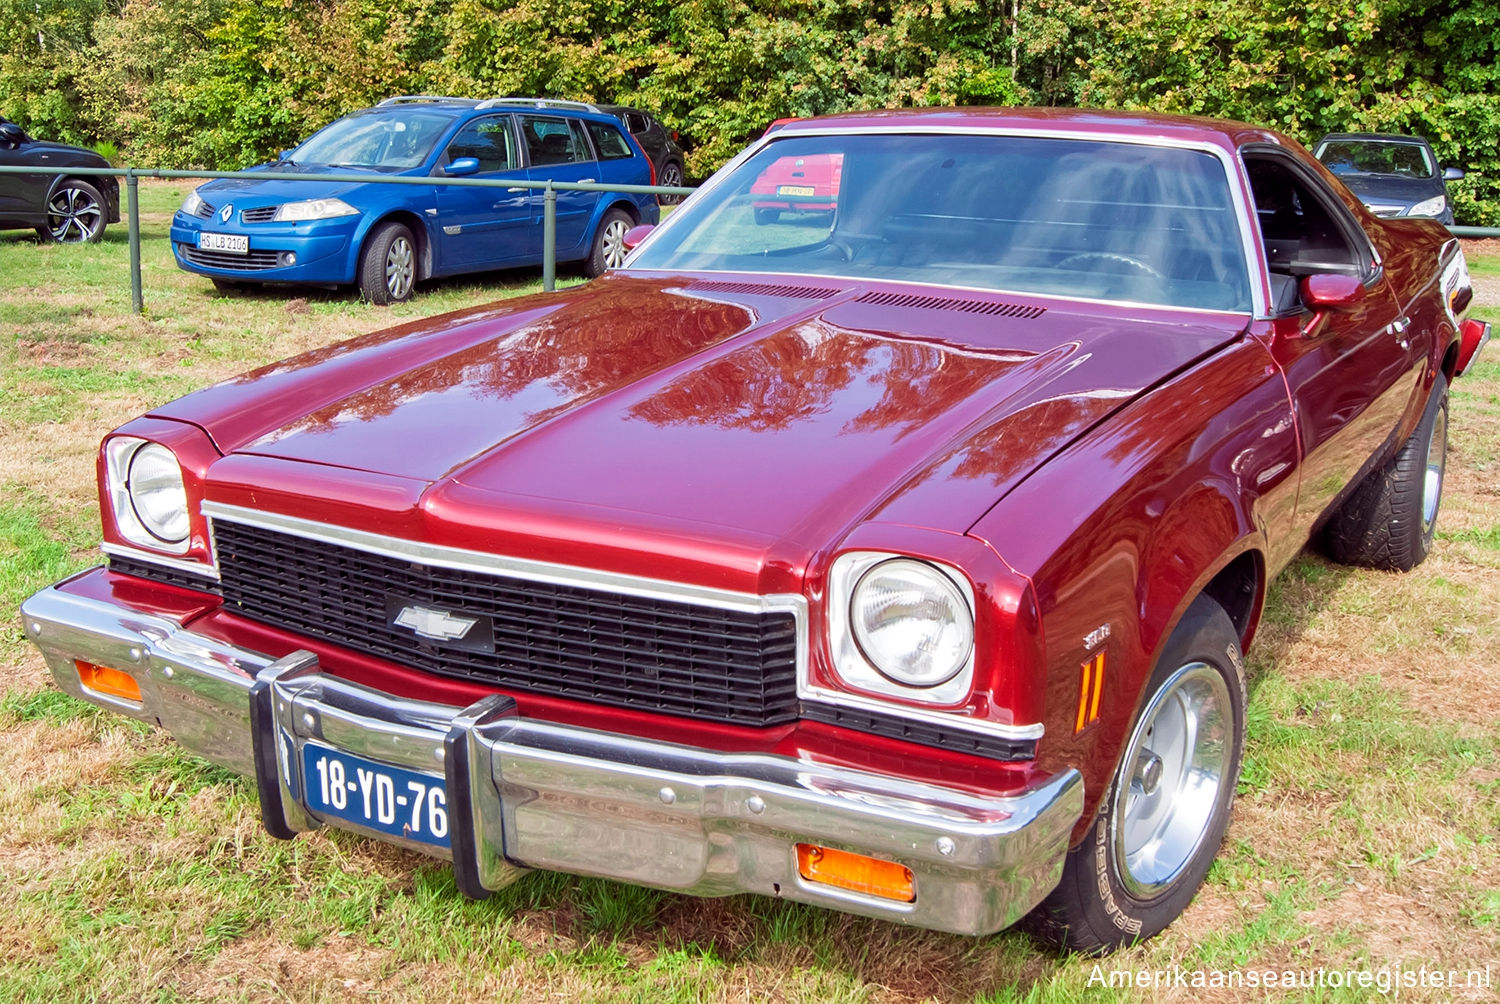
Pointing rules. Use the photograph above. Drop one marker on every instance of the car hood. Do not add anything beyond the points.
(1392, 188)
(774, 412)
(76, 154)
(248, 192)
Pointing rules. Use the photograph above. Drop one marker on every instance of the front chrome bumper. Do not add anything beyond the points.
(526, 794)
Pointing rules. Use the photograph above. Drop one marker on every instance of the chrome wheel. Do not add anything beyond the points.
(614, 242)
(74, 216)
(1170, 779)
(1432, 481)
(400, 268)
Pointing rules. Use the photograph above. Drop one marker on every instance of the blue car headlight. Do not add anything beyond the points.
(191, 204)
(313, 209)
(1429, 207)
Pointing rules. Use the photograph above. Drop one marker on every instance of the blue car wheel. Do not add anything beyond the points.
(388, 266)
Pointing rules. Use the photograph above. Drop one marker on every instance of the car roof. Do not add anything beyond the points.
(1142, 125)
(1371, 137)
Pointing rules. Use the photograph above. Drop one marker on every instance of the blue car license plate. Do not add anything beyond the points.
(378, 796)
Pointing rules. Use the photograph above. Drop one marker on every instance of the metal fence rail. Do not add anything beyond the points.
(549, 189)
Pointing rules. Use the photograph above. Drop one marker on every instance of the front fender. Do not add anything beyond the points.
(1126, 526)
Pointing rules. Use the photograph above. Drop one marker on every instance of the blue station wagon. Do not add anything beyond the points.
(384, 238)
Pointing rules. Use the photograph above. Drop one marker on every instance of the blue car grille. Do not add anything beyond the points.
(204, 210)
(255, 261)
(260, 214)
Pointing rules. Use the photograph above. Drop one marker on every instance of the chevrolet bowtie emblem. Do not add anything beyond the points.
(438, 625)
(226, 212)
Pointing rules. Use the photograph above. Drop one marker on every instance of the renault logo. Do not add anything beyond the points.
(226, 213)
(438, 625)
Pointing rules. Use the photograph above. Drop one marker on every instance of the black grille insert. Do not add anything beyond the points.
(260, 214)
(253, 261)
(161, 573)
(923, 733)
(589, 644)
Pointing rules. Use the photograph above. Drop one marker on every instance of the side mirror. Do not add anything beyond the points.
(283, 155)
(635, 235)
(1453, 174)
(12, 133)
(1331, 291)
(462, 167)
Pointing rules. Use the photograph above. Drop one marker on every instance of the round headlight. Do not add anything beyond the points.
(156, 493)
(912, 623)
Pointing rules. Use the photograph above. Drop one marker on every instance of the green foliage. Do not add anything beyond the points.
(227, 83)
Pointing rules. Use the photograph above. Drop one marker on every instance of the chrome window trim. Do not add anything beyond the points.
(464, 560)
(176, 564)
(1260, 293)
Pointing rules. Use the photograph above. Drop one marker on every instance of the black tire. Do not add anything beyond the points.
(1153, 840)
(609, 243)
(671, 177)
(1389, 521)
(76, 214)
(764, 216)
(388, 265)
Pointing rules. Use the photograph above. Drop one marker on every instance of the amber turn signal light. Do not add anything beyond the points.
(103, 680)
(857, 873)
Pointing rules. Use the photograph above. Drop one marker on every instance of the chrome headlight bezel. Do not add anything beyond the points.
(155, 514)
(313, 209)
(855, 666)
(1429, 208)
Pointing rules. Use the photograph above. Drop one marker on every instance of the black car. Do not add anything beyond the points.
(660, 144)
(1392, 175)
(58, 207)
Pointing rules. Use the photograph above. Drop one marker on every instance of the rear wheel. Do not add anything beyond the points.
(671, 177)
(388, 266)
(1163, 818)
(609, 249)
(75, 214)
(1389, 521)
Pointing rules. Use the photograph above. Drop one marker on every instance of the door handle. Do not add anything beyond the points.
(585, 181)
(515, 189)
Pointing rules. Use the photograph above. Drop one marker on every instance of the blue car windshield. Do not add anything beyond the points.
(1102, 220)
(380, 141)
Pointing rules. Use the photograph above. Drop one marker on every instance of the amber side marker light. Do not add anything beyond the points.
(857, 873)
(103, 680)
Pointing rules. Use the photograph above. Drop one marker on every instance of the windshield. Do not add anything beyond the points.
(1102, 220)
(1409, 160)
(381, 141)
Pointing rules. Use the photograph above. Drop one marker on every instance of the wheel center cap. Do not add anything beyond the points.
(1147, 772)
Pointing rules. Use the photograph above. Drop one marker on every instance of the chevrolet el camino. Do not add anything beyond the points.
(896, 558)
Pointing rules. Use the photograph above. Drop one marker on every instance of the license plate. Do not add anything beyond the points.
(795, 190)
(393, 800)
(233, 243)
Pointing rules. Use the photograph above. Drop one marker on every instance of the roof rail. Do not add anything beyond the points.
(582, 106)
(407, 99)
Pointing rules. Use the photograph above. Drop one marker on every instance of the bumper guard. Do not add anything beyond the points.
(524, 794)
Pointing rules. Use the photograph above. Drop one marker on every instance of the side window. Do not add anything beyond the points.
(553, 141)
(608, 141)
(635, 122)
(1304, 229)
(491, 140)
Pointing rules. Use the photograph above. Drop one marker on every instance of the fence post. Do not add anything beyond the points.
(133, 208)
(549, 238)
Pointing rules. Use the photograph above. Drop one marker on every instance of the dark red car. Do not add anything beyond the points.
(899, 563)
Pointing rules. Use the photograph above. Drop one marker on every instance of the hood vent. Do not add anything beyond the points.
(952, 303)
(763, 289)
